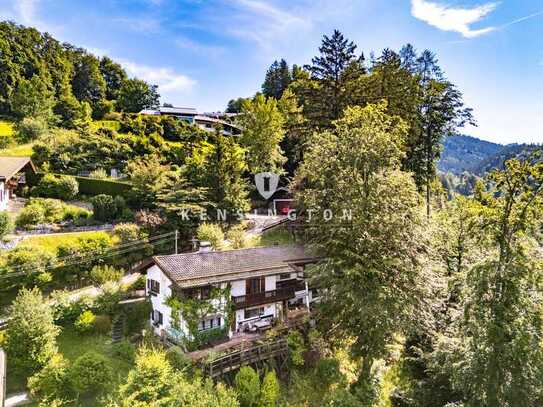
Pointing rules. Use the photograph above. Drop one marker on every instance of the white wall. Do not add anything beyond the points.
(154, 273)
(4, 197)
(238, 288)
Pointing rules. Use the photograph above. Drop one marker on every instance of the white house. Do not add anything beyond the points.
(261, 284)
(205, 121)
(13, 174)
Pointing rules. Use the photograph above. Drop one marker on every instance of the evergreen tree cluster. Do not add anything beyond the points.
(60, 83)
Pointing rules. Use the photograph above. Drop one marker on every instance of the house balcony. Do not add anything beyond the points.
(266, 297)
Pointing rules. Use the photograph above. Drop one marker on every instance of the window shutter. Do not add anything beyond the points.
(160, 318)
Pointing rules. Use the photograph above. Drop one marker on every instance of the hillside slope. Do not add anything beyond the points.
(465, 153)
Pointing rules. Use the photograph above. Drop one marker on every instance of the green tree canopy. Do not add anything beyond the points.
(263, 130)
(136, 95)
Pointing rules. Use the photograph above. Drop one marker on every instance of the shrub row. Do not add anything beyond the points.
(93, 186)
(87, 186)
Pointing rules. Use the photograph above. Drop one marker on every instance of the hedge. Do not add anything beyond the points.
(93, 186)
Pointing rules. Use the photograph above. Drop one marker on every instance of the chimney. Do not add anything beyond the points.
(205, 247)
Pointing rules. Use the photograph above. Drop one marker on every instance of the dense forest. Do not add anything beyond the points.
(427, 298)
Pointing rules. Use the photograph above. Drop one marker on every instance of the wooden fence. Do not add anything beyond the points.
(242, 357)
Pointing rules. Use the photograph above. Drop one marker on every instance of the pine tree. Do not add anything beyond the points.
(278, 78)
(324, 94)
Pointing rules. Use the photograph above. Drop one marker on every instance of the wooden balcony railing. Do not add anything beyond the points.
(265, 297)
(298, 285)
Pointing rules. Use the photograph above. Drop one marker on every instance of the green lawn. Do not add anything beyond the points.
(12, 149)
(21, 150)
(6, 128)
(52, 242)
(277, 236)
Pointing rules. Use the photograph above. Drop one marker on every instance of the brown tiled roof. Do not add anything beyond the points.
(195, 269)
(9, 166)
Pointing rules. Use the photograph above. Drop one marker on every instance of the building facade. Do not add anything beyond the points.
(14, 172)
(246, 289)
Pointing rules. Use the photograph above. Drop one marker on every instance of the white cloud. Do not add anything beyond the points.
(262, 22)
(139, 24)
(166, 78)
(453, 19)
(199, 48)
(26, 10)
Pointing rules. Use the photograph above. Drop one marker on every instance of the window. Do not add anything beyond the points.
(253, 312)
(153, 287)
(209, 323)
(156, 317)
(284, 276)
(254, 285)
(266, 184)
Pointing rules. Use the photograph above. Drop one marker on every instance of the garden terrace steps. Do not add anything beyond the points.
(117, 329)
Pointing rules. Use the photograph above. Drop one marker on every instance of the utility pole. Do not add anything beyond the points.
(176, 235)
(3, 377)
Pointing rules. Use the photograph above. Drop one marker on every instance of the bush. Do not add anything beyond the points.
(108, 301)
(247, 385)
(138, 317)
(66, 309)
(297, 348)
(128, 232)
(90, 373)
(62, 187)
(269, 393)
(102, 274)
(212, 233)
(92, 186)
(102, 324)
(30, 215)
(107, 208)
(30, 129)
(124, 350)
(85, 322)
(178, 360)
(5, 224)
(51, 381)
(33, 261)
(98, 173)
(236, 236)
(102, 108)
(327, 371)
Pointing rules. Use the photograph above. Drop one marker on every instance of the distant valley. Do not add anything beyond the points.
(469, 154)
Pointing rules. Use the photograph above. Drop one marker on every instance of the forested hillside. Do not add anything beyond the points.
(465, 153)
(63, 80)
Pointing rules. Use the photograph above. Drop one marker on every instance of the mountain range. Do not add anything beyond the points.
(463, 154)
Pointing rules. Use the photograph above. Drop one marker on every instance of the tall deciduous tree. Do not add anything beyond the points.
(114, 76)
(498, 356)
(371, 273)
(263, 130)
(87, 83)
(32, 98)
(136, 95)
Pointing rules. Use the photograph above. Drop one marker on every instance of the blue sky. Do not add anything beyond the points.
(202, 53)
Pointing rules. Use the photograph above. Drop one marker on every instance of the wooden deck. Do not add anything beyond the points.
(273, 349)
